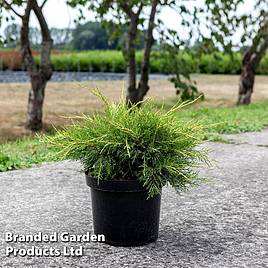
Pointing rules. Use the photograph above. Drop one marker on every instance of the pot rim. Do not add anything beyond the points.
(115, 185)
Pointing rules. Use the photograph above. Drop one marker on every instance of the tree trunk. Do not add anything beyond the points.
(39, 81)
(143, 86)
(39, 77)
(250, 63)
(131, 69)
(247, 79)
(136, 94)
(130, 54)
(35, 102)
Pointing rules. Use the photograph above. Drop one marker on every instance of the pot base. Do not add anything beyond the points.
(125, 217)
(130, 244)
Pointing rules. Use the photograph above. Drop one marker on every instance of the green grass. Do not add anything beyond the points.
(218, 138)
(27, 152)
(4, 49)
(7, 163)
(230, 120)
(24, 153)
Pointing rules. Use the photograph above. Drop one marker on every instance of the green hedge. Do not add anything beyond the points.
(93, 61)
(113, 61)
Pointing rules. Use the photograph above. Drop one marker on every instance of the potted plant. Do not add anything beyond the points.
(129, 155)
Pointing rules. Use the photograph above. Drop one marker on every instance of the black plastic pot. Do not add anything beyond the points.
(122, 212)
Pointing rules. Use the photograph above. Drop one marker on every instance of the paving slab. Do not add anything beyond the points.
(221, 223)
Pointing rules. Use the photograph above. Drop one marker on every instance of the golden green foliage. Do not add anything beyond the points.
(145, 144)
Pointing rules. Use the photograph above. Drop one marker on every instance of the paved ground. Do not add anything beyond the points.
(222, 223)
(20, 76)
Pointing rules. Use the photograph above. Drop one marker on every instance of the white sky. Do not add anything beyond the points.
(59, 15)
(68, 14)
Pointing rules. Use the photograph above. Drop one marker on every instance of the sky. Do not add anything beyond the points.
(68, 14)
(59, 15)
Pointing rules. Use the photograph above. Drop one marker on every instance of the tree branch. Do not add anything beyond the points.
(143, 84)
(47, 42)
(140, 9)
(9, 6)
(42, 21)
(43, 4)
(26, 52)
(127, 9)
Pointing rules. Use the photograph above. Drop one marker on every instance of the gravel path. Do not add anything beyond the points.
(222, 223)
(21, 77)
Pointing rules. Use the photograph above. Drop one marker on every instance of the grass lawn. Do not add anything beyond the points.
(223, 120)
(218, 113)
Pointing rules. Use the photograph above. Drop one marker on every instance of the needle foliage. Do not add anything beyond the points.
(146, 144)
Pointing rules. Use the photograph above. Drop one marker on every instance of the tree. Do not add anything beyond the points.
(12, 35)
(250, 62)
(38, 76)
(130, 13)
(225, 19)
(136, 93)
(94, 35)
(138, 14)
(62, 37)
(90, 35)
(186, 88)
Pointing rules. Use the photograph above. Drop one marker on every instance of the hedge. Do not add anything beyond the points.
(113, 61)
